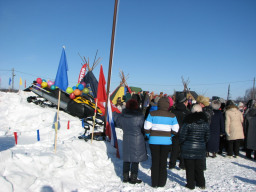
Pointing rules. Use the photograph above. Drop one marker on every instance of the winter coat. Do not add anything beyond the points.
(194, 135)
(217, 128)
(208, 112)
(161, 124)
(180, 111)
(233, 123)
(134, 147)
(250, 123)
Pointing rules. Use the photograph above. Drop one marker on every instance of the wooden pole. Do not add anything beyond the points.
(57, 122)
(94, 117)
(110, 60)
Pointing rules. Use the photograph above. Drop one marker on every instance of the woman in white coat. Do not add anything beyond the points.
(233, 128)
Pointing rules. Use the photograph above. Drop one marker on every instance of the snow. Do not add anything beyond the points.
(79, 166)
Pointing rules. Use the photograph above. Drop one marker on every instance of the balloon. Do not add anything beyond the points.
(80, 87)
(74, 87)
(83, 83)
(77, 84)
(39, 80)
(72, 96)
(44, 84)
(77, 92)
(69, 90)
(86, 90)
(43, 80)
(50, 83)
(53, 87)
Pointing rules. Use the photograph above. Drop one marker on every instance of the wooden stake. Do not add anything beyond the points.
(95, 112)
(56, 123)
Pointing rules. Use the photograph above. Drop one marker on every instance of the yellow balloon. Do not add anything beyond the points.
(44, 84)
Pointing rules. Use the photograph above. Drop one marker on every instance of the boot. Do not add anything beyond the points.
(207, 154)
(134, 179)
(214, 155)
(126, 177)
(248, 154)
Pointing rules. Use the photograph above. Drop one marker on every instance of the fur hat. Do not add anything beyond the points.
(180, 98)
(196, 108)
(216, 104)
(204, 100)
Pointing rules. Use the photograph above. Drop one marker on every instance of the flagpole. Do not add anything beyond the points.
(57, 122)
(95, 112)
(110, 60)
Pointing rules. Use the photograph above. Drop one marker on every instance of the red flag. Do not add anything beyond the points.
(82, 72)
(101, 92)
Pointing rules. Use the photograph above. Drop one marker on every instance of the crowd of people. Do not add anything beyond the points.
(182, 129)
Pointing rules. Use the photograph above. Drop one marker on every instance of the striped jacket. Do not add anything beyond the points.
(161, 124)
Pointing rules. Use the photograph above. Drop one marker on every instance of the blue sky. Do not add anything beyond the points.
(211, 43)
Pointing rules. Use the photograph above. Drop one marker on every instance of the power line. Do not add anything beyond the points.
(191, 84)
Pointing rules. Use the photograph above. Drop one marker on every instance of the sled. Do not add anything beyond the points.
(98, 134)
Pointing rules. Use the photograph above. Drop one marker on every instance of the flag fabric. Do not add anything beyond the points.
(10, 80)
(101, 92)
(61, 79)
(111, 133)
(20, 81)
(82, 72)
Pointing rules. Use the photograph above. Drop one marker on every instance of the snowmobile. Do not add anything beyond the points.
(82, 106)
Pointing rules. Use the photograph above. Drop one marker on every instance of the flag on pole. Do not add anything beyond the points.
(10, 80)
(82, 72)
(111, 126)
(61, 79)
(20, 81)
(101, 92)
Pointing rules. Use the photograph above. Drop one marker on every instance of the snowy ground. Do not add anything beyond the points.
(78, 166)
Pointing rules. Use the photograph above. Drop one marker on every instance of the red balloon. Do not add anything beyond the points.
(39, 80)
(72, 96)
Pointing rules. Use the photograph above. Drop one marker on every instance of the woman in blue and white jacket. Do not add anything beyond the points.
(159, 127)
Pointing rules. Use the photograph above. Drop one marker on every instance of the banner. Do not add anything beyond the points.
(82, 72)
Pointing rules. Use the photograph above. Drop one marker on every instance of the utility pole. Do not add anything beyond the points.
(13, 75)
(228, 97)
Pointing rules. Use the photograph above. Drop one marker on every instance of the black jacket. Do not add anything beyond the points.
(194, 135)
(180, 111)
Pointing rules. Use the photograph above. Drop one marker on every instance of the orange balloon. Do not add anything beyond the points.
(77, 92)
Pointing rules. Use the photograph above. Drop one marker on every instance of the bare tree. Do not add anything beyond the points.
(249, 94)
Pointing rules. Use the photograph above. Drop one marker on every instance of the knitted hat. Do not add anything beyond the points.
(204, 100)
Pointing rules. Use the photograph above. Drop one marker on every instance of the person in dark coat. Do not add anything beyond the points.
(131, 120)
(204, 102)
(217, 128)
(250, 126)
(180, 110)
(193, 137)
